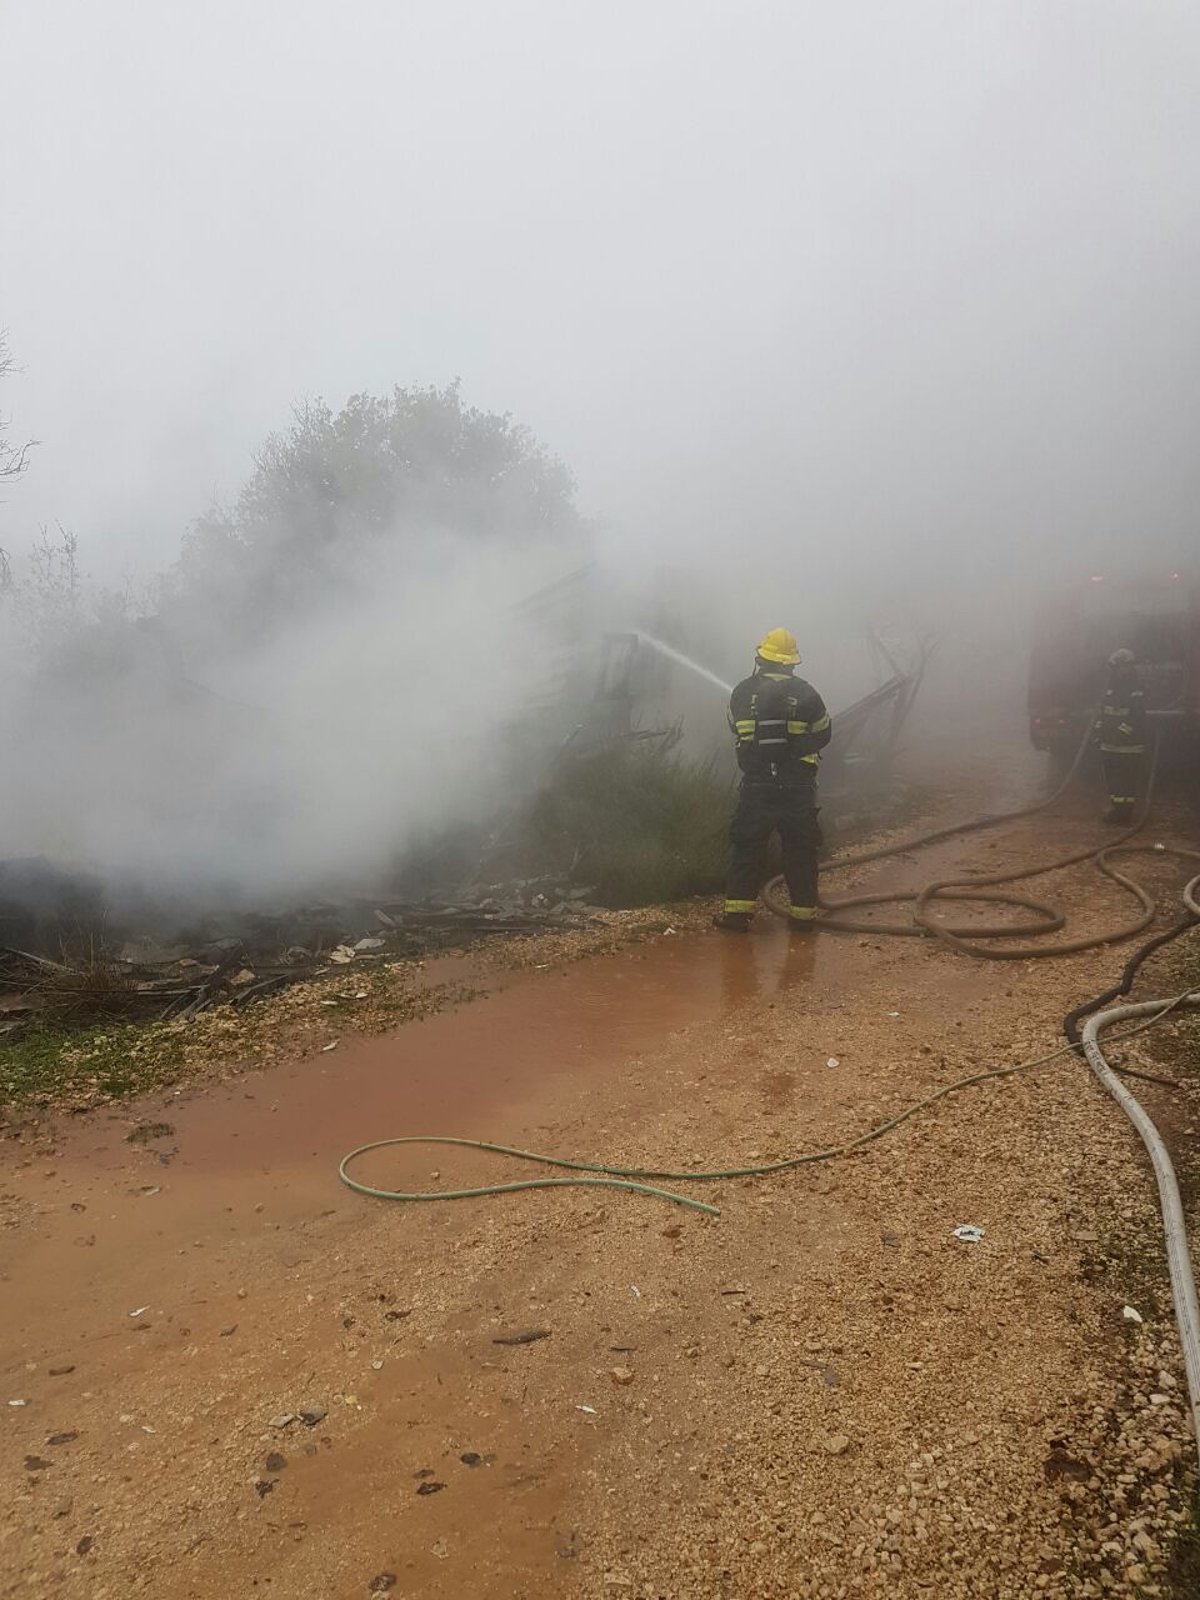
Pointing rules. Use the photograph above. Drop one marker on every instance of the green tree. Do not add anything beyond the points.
(327, 492)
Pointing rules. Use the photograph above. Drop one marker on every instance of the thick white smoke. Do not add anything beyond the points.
(317, 752)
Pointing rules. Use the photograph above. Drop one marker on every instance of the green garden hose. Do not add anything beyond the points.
(596, 1175)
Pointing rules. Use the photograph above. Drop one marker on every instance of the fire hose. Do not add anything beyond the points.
(964, 938)
(637, 1180)
(1179, 1262)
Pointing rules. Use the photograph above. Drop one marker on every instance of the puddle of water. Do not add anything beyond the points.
(466, 1071)
(274, 1139)
(453, 1072)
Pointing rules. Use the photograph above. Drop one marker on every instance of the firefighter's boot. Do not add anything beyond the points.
(732, 921)
(804, 919)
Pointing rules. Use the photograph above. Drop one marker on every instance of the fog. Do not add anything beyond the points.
(840, 312)
(312, 756)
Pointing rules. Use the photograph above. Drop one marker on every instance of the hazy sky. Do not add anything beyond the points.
(850, 285)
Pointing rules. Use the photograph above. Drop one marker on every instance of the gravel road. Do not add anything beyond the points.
(224, 1375)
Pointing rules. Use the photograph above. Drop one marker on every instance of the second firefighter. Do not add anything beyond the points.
(780, 726)
(1120, 733)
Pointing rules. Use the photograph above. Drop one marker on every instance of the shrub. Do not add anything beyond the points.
(635, 821)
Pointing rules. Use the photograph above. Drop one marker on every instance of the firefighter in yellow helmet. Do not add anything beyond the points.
(780, 726)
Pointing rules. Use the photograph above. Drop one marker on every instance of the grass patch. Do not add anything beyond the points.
(635, 822)
(72, 1067)
(52, 1060)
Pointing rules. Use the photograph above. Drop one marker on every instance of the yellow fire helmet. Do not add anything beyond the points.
(779, 646)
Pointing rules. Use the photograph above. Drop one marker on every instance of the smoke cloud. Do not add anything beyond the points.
(839, 314)
(310, 757)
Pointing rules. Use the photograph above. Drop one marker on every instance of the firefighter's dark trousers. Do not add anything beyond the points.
(1122, 772)
(766, 806)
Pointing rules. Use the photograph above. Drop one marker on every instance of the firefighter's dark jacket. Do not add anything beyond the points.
(1121, 724)
(780, 724)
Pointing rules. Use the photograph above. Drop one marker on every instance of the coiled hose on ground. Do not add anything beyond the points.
(966, 938)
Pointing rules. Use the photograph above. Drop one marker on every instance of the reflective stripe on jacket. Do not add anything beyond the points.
(1121, 724)
(779, 723)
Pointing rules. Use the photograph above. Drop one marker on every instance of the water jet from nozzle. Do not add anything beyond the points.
(684, 661)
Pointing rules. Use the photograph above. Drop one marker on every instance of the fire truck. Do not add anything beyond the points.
(1077, 628)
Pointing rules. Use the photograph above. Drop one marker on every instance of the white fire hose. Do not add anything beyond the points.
(1183, 1283)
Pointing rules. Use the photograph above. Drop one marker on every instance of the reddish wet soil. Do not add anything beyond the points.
(168, 1306)
(275, 1139)
(121, 1255)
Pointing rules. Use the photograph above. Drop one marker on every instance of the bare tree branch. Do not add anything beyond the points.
(13, 458)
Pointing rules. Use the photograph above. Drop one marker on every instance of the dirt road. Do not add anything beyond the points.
(225, 1375)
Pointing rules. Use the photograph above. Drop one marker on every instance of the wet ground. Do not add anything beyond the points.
(173, 1306)
(274, 1140)
(127, 1259)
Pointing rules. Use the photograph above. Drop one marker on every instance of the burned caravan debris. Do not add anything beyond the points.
(857, 767)
(637, 695)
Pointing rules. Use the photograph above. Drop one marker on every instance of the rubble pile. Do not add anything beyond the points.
(238, 958)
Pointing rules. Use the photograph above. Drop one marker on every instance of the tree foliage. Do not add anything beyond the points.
(329, 491)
